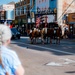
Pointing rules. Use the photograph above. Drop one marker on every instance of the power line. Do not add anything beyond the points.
(66, 9)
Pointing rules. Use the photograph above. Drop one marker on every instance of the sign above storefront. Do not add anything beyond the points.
(43, 5)
(8, 7)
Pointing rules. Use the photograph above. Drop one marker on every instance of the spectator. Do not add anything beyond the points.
(9, 61)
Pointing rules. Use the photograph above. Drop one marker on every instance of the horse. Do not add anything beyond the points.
(34, 34)
(57, 34)
(49, 34)
(45, 33)
(54, 33)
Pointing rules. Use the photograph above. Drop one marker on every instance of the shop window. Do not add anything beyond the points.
(24, 9)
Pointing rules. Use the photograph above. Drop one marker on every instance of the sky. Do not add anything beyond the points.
(7, 1)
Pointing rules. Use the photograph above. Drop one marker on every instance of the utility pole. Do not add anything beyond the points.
(59, 18)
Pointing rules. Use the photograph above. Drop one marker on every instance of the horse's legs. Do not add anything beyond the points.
(50, 40)
(47, 40)
(31, 40)
(42, 39)
(34, 40)
(58, 40)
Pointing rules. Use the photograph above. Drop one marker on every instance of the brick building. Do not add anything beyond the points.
(21, 15)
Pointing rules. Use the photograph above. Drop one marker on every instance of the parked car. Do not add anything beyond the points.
(15, 33)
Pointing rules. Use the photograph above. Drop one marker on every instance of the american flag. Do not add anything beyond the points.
(46, 17)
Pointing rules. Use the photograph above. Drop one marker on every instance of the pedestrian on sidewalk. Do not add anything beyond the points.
(9, 61)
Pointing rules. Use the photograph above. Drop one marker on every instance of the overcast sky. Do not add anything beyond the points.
(7, 1)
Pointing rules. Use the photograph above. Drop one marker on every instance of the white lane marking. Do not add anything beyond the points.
(25, 37)
(50, 49)
(66, 62)
(54, 64)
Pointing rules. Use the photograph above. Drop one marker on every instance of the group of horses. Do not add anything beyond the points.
(46, 34)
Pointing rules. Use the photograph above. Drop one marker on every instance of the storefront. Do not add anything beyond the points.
(21, 26)
(71, 23)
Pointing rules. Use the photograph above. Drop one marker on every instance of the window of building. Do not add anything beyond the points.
(21, 10)
(24, 2)
(17, 4)
(16, 12)
(24, 9)
(2, 17)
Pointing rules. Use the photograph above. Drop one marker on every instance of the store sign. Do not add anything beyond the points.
(8, 6)
(42, 5)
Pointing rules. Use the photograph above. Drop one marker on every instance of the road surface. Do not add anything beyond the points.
(46, 59)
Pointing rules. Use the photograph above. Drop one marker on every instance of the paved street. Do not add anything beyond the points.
(51, 18)
(39, 59)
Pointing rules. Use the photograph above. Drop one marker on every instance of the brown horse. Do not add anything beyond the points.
(57, 34)
(34, 35)
(50, 33)
(53, 34)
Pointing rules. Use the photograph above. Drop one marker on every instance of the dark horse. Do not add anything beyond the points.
(50, 33)
(57, 34)
(54, 32)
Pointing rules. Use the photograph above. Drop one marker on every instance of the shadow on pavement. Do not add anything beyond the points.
(67, 47)
(70, 72)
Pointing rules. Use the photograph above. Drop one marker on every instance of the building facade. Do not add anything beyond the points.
(65, 14)
(2, 15)
(27, 12)
(7, 12)
(46, 8)
(21, 15)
